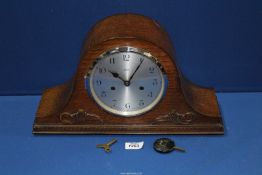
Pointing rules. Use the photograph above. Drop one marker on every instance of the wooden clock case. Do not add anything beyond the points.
(185, 109)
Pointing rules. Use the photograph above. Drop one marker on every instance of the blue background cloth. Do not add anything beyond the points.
(218, 43)
(237, 152)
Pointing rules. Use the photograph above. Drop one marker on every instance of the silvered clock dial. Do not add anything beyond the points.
(126, 81)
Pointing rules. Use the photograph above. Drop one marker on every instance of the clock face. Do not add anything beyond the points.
(126, 81)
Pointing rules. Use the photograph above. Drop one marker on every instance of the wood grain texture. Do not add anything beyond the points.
(185, 109)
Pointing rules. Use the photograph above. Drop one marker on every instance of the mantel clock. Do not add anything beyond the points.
(127, 82)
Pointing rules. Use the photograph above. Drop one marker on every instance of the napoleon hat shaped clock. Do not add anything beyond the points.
(127, 82)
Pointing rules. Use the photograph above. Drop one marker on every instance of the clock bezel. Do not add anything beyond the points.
(90, 88)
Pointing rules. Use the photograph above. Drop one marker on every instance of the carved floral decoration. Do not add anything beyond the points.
(79, 117)
(174, 117)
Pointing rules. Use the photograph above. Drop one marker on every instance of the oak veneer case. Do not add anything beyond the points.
(186, 108)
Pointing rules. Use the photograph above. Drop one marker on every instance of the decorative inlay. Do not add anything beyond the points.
(78, 117)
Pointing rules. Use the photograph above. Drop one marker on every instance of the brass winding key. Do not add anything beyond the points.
(106, 146)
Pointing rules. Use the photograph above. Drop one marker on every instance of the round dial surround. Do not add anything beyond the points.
(126, 81)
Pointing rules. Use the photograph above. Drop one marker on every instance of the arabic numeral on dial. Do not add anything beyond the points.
(141, 103)
(103, 94)
(127, 106)
(98, 82)
(151, 70)
(102, 70)
(155, 82)
(126, 57)
(150, 94)
(112, 61)
(114, 103)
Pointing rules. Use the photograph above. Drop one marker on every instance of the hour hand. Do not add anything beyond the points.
(116, 75)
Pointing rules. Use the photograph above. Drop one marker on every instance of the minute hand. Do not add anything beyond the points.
(135, 71)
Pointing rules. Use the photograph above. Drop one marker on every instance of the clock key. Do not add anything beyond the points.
(179, 149)
(107, 145)
(166, 145)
